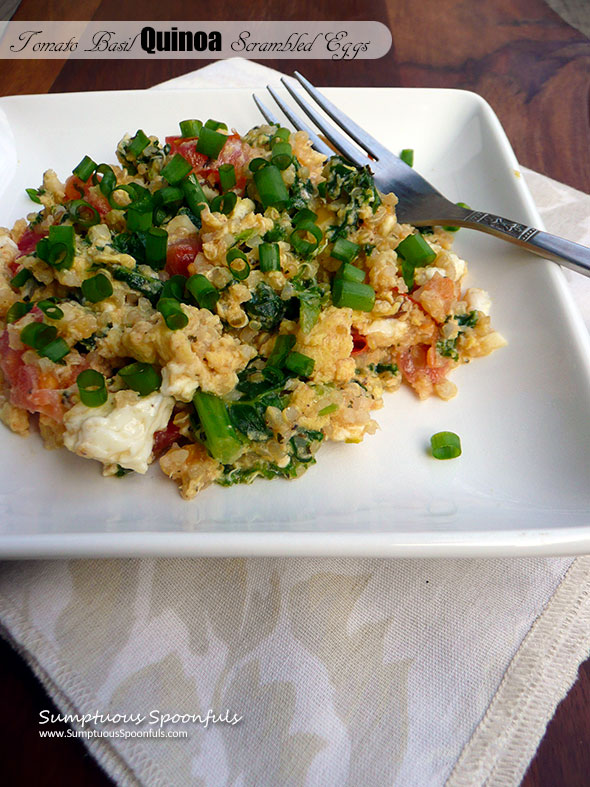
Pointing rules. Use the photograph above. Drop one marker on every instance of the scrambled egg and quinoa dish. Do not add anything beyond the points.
(223, 304)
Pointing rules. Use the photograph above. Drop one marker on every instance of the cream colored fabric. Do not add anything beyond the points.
(345, 672)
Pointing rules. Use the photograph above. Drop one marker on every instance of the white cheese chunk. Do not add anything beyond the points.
(478, 299)
(121, 431)
(422, 275)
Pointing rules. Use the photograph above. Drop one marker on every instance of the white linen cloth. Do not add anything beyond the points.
(345, 672)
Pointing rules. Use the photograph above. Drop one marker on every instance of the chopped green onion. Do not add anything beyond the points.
(210, 142)
(221, 436)
(193, 194)
(132, 189)
(257, 163)
(172, 313)
(282, 347)
(280, 135)
(174, 287)
(62, 233)
(331, 408)
(92, 388)
(305, 214)
(240, 272)
(176, 169)
(224, 203)
(350, 272)
(203, 292)
(190, 128)
(138, 220)
(445, 445)
(456, 229)
(58, 248)
(55, 350)
(138, 144)
(270, 257)
(282, 155)
(108, 181)
(97, 288)
(415, 250)
(33, 195)
(22, 277)
(356, 295)
(299, 240)
(83, 213)
(141, 377)
(85, 168)
(345, 250)
(156, 246)
(407, 156)
(299, 364)
(38, 334)
(215, 124)
(271, 187)
(50, 309)
(227, 176)
(18, 310)
(170, 196)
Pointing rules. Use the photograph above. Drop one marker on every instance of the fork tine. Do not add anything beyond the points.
(266, 113)
(301, 125)
(348, 150)
(373, 147)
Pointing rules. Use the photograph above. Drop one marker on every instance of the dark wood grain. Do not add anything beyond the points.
(518, 54)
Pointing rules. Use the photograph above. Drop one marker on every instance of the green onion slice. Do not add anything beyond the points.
(282, 155)
(141, 377)
(55, 350)
(38, 334)
(190, 128)
(330, 408)
(138, 144)
(456, 229)
(305, 214)
(97, 288)
(156, 246)
(22, 277)
(210, 142)
(227, 176)
(415, 250)
(270, 257)
(174, 287)
(92, 388)
(50, 309)
(353, 294)
(172, 313)
(176, 169)
(224, 203)
(85, 168)
(350, 272)
(138, 220)
(280, 135)
(18, 310)
(257, 163)
(445, 445)
(283, 345)
(299, 238)
(83, 213)
(221, 436)
(171, 196)
(271, 188)
(407, 156)
(193, 194)
(33, 195)
(238, 264)
(202, 291)
(215, 124)
(299, 364)
(345, 250)
(108, 181)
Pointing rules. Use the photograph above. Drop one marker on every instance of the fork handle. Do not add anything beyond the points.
(565, 252)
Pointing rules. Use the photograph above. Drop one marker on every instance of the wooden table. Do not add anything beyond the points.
(532, 68)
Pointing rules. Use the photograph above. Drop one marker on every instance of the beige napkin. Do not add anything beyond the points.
(341, 671)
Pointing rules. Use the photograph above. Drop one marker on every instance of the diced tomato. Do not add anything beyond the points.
(359, 343)
(235, 151)
(180, 255)
(29, 240)
(164, 438)
(422, 361)
(79, 189)
(437, 296)
(31, 389)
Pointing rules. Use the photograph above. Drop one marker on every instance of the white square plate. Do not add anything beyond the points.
(522, 483)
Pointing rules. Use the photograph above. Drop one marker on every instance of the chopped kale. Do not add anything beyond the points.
(447, 348)
(311, 297)
(300, 194)
(354, 186)
(305, 443)
(196, 220)
(87, 345)
(132, 243)
(369, 248)
(427, 230)
(467, 320)
(278, 232)
(122, 471)
(266, 307)
(381, 368)
(146, 285)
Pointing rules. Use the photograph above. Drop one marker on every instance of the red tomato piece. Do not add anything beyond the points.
(421, 361)
(235, 151)
(164, 438)
(359, 343)
(180, 255)
(79, 189)
(28, 243)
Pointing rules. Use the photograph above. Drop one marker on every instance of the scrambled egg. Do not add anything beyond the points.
(223, 307)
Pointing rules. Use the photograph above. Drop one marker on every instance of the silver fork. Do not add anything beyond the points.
(420, 203)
